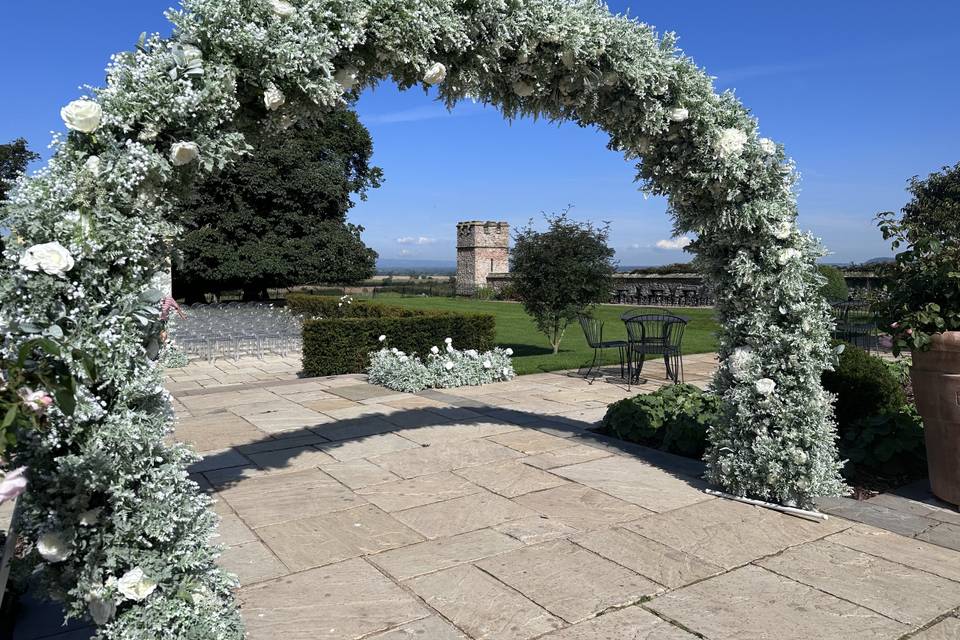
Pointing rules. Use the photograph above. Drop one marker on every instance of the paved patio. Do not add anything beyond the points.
(351, 511)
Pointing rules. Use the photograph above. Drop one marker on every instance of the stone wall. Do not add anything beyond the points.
(483, 247)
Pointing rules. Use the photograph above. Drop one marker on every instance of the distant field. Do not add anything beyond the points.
(532, 352)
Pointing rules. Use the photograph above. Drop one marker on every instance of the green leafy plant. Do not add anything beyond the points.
(674, 418)
(835, 288)
(278, 217)
(864, 386)
(921, 292)
(889, 444)
(339, 339)
(560, 272)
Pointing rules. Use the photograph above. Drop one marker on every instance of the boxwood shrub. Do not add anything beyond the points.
(673, 418)
(338, 339)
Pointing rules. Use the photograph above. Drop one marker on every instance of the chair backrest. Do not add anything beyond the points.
(656, 329)
(592, 329)
(637, 312)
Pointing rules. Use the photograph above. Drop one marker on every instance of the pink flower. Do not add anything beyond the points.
(169, 304)
(909, 332)
(895, 325)
(36, 401)
(13, 484)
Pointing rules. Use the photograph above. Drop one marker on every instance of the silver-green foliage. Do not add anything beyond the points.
(173, 108)
(443, 368)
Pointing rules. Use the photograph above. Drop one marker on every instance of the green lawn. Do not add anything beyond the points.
(532, 352)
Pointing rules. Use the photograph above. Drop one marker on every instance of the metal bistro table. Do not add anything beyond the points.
(654, 334)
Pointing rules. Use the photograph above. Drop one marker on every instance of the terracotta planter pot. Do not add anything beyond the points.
(936, 386)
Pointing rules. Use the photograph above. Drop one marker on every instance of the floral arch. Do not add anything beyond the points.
(123, 533)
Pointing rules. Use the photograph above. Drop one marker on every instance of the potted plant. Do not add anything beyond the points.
(921, 304)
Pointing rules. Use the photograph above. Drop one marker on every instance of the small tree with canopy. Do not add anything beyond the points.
(14, 158)
(560, 272)
(277, 218)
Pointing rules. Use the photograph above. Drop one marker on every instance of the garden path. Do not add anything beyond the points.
(352, 511)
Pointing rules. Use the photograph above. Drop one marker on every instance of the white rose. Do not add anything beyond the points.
(678, 114)
(52, 258)
(787, 255)
(435, 73)
(282, 9)
(101, 610)
(82, 115)
(765, 386)
(346, 77)
(782, 230)
(434, 350)
(448, 365)
(134, 585)
(487, 364)
(508, 351)
(381, 338)
(273, 98)
(740, 361)
(53, 548)
(182, 153)
(768, 146)
(731, 143)
(404, 358)
(448, 340)
(522, 89)
(506, 371)
(92, 166)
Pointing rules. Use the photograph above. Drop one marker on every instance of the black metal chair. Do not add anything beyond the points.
(593, 332)
(655, 334)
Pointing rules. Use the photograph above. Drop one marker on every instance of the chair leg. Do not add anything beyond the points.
(590, 368)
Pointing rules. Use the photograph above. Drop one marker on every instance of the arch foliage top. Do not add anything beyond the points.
(121, 532)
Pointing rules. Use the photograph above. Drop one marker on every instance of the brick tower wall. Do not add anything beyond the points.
(482, 248)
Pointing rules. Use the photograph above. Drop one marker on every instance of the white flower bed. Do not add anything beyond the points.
(443, 369)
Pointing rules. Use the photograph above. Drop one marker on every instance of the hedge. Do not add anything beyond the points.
(338, 339)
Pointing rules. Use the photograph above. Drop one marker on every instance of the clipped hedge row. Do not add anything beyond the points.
(339, 339)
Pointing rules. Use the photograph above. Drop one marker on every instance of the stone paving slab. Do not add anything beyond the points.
(459, 515)
(632, 623)
(273, 499)
(729, 533)
(567, 580)
(581, 508)
(911, 552)
(633, 481)
(510, 479)
(311, 542)
(444, 456)
(483, 606)
(347, 600)
(948, 629)
(427, 489)
(753, 603)
(435, 555)
(660, 563)
(432, 628)
(897, 591)
(943, 534)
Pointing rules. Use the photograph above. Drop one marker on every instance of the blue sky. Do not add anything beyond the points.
(863, 94)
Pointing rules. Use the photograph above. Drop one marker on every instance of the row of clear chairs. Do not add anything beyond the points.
(235, 329)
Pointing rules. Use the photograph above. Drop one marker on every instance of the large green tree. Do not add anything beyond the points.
(560, 272)
(278, 218)
(14, 158)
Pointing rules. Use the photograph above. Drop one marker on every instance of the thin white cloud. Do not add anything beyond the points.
(420, 240)
(674, 244)
(427, 112)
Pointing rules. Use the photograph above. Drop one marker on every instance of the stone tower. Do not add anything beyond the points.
(482, 248)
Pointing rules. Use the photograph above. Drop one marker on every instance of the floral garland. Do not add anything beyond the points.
(121, 532)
